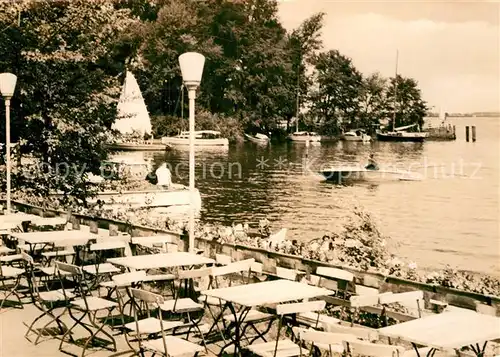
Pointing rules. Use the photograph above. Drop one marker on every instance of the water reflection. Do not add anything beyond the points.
(279, 182)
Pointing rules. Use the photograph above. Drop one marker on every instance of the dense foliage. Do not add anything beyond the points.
(70, 58)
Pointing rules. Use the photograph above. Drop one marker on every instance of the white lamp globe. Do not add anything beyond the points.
(7, 84)
(191, 64)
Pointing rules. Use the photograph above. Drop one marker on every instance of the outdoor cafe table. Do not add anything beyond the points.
(447, 331)
(47, 237)
(14, 220)
(266, 293)
(161, 261)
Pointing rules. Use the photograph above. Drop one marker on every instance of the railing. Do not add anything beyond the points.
(271, 260)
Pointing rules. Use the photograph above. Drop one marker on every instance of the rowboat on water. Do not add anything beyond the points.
(257, 138)
(348, 174)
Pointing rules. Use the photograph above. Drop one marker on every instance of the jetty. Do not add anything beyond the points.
(236, 300)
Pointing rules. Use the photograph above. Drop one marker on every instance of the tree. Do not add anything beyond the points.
(304, 42)
(336, 101)
(409, 107)
(372, 102)
(62, 53)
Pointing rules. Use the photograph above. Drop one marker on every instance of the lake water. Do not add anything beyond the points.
(450, 217)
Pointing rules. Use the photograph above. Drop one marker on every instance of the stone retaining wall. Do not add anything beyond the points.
(367, 281)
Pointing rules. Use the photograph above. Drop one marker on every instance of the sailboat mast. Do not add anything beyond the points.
(395, 93)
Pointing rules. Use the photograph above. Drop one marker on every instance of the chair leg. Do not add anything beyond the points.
(56, 319)
(12, 291)
(216, 319)
(68, 332)
(99, 329)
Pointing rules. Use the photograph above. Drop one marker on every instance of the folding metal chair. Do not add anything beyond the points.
(10, 277)
(151, 327)
(286, 346)
(322, 341)
(187, 307)
(87, 305)
(46, 301)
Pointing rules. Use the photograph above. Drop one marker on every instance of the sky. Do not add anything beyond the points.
(451, 48)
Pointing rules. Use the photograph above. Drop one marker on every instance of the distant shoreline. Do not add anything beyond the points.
(468, 115)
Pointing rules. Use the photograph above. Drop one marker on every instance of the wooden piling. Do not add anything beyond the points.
(467, 133)
(473, 133)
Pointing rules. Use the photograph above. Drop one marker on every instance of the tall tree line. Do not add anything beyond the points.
(70, 57)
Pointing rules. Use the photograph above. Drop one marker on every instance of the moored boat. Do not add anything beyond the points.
(123, 182)
(178, 195)
(202, 138)
(400, 134)
(143, 145)
(303, 136)
(132, 121)
(257, 138)
(356, 135)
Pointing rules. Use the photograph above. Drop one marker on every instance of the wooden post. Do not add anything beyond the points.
(467, 133)
(473, 133)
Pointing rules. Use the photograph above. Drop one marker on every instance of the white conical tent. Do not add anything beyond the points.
(132, 112)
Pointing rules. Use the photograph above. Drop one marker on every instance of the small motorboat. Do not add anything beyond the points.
(356, 135)
(202, 138)
(304, 136)
(258, 138)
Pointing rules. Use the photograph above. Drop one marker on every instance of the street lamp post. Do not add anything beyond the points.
(191, 64)
(7, 87)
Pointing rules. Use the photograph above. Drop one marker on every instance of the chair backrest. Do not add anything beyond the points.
(29, 268)
(27, 258)
(410, 296)
(237, 267)
(172, 248)
(147, 296)
(327, 338)
(129, 278)
(335, 273)
(360, 332)
(81, 286)
(314, 280)
(360, 348)
(195, 273)
(284, 273)
(297, 308)
(364, 300)
(223, 259)
(153, 239)
(410, 299)
(257, 267)
(108, 245)
(69, 268)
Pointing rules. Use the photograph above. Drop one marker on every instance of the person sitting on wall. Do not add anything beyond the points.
(372, 164)
(163, 176)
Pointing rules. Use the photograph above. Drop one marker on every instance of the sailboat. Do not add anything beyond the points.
(132, 121)
(302, 136)
(400, 134)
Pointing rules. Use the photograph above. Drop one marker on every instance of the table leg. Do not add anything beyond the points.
(238, 320)
(216, 319)
(478, 350)
(88, 327)
(430, 353)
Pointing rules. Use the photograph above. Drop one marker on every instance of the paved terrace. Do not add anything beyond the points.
(14, 344)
